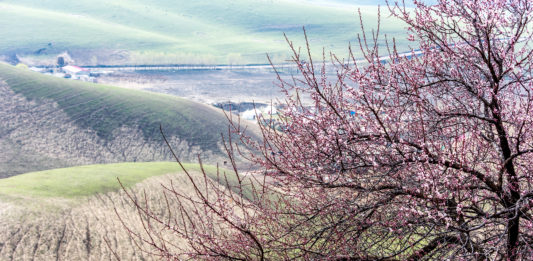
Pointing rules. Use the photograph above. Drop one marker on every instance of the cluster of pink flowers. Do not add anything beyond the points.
(419, 157)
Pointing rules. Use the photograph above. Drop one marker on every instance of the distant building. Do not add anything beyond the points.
(77, 73)
(72, 69)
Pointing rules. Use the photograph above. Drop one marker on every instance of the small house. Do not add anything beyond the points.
(72, 69)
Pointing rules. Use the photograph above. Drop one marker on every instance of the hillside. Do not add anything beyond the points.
(88, 180)
(179, 32)
(68, 214)
(48, 122)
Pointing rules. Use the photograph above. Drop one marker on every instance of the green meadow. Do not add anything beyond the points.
(88, 180)
(181, 32)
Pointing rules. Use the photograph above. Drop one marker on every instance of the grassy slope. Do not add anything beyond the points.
(62, 188)
(87, 180)
(216, 31)
(57, 219)
(105, 108)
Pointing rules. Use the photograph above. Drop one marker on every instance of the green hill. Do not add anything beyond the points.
(50, 122)
(71, 213)
(87, 180)
(179, 32)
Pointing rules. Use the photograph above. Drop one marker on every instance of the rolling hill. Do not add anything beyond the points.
(87, 180)
(71, 213)
(50, 122)
(179, 32)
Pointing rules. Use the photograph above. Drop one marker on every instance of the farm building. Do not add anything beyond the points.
(72, 69)
(77, 73)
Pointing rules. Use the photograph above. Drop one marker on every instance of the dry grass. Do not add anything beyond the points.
(80, 231)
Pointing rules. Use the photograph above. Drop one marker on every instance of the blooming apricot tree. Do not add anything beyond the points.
(424, 155)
